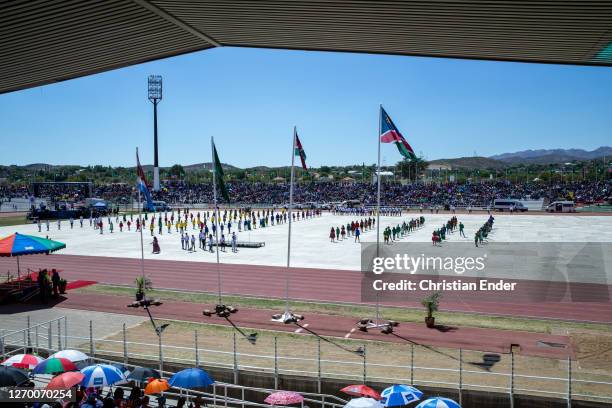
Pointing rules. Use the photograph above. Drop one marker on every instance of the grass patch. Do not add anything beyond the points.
(13, 220)
(358, 312)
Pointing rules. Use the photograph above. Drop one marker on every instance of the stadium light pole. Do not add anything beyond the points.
(155, 96)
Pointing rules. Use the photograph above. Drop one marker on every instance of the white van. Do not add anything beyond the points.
(508, 204)
(561, 206)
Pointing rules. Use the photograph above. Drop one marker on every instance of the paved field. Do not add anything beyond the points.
(311, 247)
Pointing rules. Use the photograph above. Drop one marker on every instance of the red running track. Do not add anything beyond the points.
(468, 338)
(531, 298)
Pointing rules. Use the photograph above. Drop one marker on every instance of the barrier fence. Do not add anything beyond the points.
(390, 363)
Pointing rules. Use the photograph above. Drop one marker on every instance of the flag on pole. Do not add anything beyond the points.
(299, 151)
(219, 174)
(390, 134)
(142, 185)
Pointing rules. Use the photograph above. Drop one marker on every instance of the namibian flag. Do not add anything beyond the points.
(299, 151)
(390, 134)
(142, 185)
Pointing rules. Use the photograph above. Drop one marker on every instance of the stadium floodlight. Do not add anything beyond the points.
(155, 88)
(225, 312)
(155, 96)
(146, 305)
(385, 328)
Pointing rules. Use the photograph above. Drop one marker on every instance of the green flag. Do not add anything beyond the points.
(219, 174)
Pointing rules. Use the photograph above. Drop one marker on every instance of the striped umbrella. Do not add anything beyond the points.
(27, 361)
(284, 398)
(399, 395)
(20, 244)
(101, 375)
(54, 365)
(438, 402)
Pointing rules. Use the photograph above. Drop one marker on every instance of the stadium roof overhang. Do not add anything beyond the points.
(45, 41)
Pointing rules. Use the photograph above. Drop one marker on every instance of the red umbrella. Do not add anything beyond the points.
(284, 398)
(65, 380)
(360, 390)
(27, 361)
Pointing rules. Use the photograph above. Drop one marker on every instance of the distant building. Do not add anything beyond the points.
(439, 166)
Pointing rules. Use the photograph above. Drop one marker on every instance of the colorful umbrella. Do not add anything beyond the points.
(360, 390)
(54, 365)
(157, 386)
(363, 403)
(27, 361)
(65, 380)
(142, 373)
(438, 402)
(101, 375)
(399, 395)
(191, 378)
(19, 244)
(11, 376)
(284, 398)
(72, 355)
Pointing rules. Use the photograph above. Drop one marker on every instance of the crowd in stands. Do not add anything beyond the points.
(392, 194)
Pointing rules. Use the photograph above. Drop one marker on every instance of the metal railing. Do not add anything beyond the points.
(414, 363)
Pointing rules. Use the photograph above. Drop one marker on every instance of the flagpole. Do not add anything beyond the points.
(378, 175)
(212, 143)
(378, 192)
(289, 216)
(140, 221)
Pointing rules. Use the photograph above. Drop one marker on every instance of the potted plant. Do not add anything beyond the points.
(62, 285)
(142, 284)
(431, 303)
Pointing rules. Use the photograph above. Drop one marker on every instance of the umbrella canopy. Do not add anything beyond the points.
(101, 375)
(363, 403)
(72, 355)
(284, 398)
(11, 376)
(191, 378)
(156, 386)
(438, 402)
(398, 395)
(19, 244)
(121, 367)
(360, 390)
(54, 365)
(27, 361)
(65, 380)
(142, 374)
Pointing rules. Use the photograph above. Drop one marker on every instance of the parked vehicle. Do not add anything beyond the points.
(561, 207)
(508, 205)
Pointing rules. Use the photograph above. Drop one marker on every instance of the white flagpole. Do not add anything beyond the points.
(378, 192)
(289, 216)
(218, 224)
(378, 176)
(140, 221)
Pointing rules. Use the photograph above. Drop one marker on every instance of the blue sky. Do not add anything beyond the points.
(249, 99)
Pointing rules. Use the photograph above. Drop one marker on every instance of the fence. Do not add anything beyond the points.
(306, 356)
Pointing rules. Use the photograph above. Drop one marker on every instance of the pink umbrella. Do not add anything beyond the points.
(284, 398)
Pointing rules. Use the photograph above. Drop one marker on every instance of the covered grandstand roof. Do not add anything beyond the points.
(45, 41)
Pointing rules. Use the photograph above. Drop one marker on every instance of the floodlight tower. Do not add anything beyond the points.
(155, 96)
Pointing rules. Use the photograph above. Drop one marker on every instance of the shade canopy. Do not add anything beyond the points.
(20, 244)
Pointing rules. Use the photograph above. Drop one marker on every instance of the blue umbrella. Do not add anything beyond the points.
(101, 375)
(399, 395)
(438, 402)
(191, 378)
